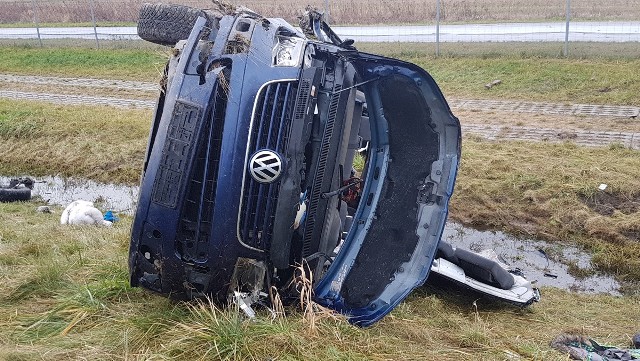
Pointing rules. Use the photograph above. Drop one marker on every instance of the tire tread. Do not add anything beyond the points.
(166, 24)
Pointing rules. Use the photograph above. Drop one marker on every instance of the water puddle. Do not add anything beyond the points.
(62, 191)
(544, 263)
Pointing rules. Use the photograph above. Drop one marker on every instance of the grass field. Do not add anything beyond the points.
(341, 12)
(65, 296)
(145, 64)
(64, 291)
(531, 75)
(104, 144)
(525, 188)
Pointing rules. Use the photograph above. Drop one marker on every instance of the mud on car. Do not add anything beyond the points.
(273, 147)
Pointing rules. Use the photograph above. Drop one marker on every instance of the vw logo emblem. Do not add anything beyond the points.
(265, 166)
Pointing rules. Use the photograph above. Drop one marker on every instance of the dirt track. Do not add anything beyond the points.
(584, 124)
(79, 82)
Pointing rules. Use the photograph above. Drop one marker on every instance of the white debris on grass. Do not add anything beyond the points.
(83, 213)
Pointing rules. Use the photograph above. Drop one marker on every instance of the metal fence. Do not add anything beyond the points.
(447, 24)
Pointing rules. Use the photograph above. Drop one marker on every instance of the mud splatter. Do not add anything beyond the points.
(606, 203)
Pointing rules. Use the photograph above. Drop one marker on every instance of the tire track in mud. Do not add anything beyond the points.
(588, 138)
(465, 104)
(593, 110)
(81, 82)
(68, 99)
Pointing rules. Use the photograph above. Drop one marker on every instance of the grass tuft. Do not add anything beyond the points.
(45, 281)
(208, 333)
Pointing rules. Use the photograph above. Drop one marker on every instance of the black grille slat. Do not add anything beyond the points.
(194, 227)
(270, 130)
(256, 137)
(282, 137)
(320, 170)
(303, 98)
(271, 120)
(271, 195)
(268, 124)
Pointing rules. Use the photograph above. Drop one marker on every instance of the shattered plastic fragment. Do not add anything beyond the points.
(242, 300)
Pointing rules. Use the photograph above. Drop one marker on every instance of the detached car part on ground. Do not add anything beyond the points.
(18, 189)
(251, 168)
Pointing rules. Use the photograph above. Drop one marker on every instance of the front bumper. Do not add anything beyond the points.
(195, 205)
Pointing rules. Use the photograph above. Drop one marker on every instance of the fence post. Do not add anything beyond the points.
(93, 19)
(35, 19)
(437, 27)
(326, 11)
(565, 51)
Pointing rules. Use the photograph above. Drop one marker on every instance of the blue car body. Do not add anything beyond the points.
(249, 169)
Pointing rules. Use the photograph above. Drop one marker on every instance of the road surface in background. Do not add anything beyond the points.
(501, 32)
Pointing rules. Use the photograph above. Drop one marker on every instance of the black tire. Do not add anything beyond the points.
(166, 24)
(15, 194)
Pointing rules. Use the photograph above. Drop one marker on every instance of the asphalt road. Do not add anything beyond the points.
(502, 32)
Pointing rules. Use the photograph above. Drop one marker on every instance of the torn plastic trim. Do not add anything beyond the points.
(321, 29)
(520, 294)
(190, 47)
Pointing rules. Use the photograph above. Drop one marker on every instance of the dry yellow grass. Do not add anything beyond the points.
(64, 295)
(64, 291)
(343, 12)
(550, 191)
(102, 143)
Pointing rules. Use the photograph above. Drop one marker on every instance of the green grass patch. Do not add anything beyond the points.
(10, 128)
(146, 64)
(550, 191)
(92, 313)
(554, 80)
(550, 50)
(102, 143)
(528, 72)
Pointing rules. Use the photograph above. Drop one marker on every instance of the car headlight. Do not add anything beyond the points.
(288, 51)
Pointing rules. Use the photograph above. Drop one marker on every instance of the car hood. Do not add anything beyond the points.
(413, 165)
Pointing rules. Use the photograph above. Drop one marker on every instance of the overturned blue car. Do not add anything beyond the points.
(273, 148)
